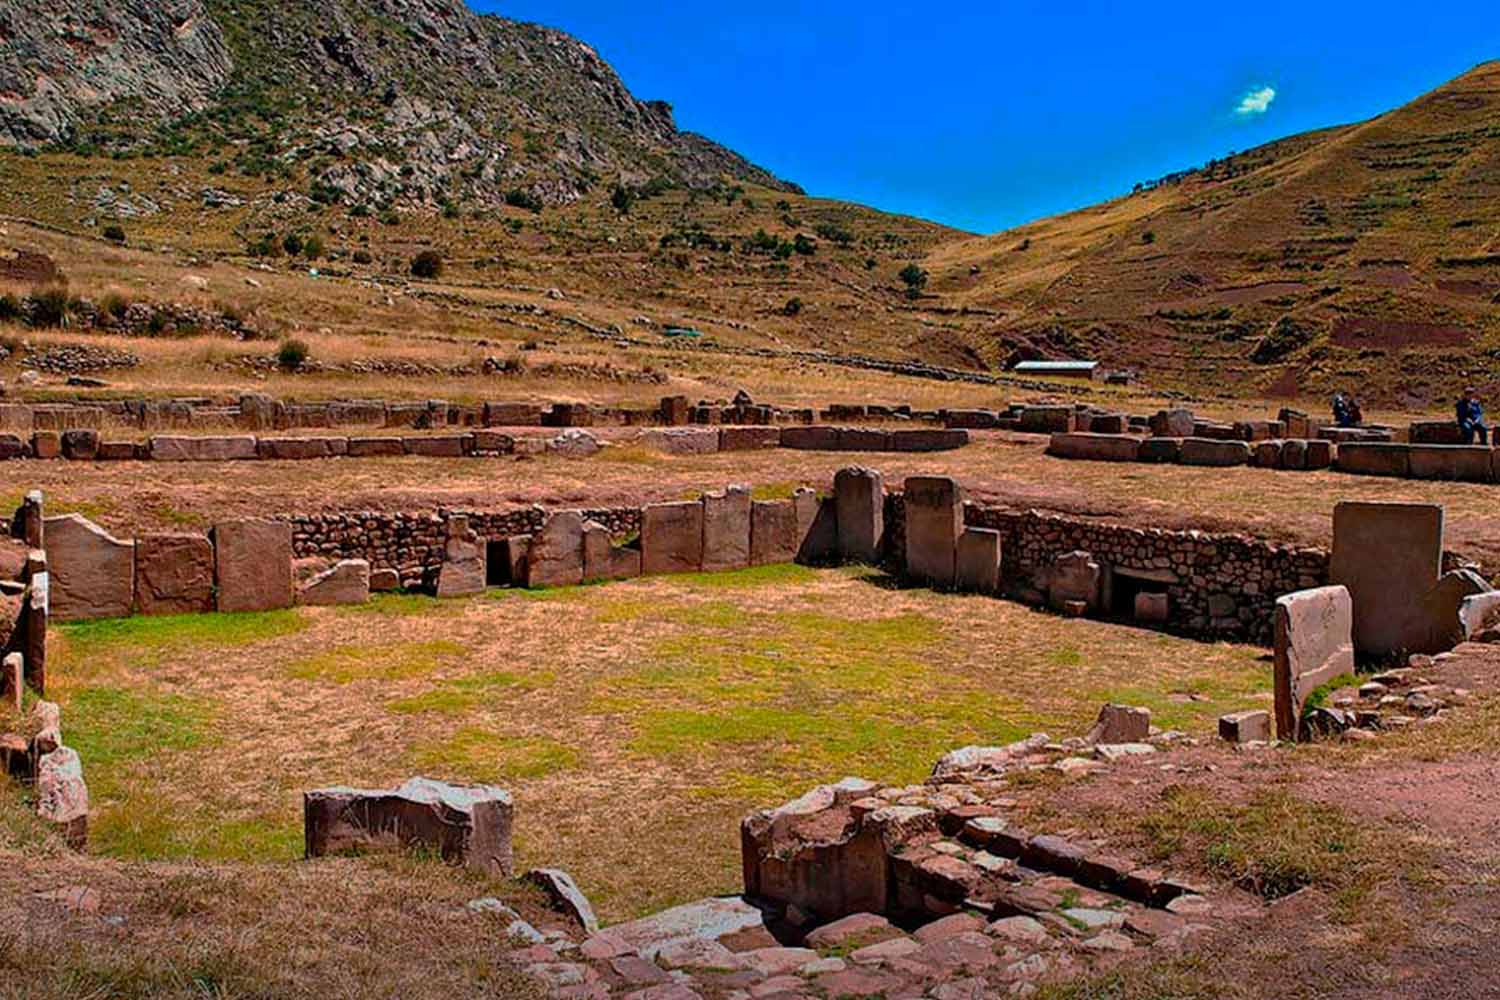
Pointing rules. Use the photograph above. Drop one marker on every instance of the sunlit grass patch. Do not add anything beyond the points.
(473, 753)
(467, 693)
(755, 576)
(400, 606)
(139, 826)
(96, 648)
(390, 661)
(111, 726)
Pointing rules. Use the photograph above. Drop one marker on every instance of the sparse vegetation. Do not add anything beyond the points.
(428, 265)
(292, 354)
(114, 233)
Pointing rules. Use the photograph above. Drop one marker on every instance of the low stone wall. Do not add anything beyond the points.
(84, 444)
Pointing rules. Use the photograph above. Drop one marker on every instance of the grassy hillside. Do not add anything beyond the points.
(1366, 255)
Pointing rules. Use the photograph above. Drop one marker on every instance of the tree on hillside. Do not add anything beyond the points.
(915, 279)
(622, 199)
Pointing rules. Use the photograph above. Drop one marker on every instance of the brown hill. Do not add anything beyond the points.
(1366, 255)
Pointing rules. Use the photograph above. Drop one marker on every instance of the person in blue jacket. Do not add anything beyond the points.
(1471, 417)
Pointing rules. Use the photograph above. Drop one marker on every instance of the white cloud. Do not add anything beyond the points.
(1256, 102)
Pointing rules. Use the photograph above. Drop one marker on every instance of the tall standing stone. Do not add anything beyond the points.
(253, 564)
(817, 527)
(29, 521)
(934, 522)
(773, 532)
(1389, 556)
(726, 529)
(174, 574)
(672, 537)
(1314, 644)
(93, 573)
(556, 558)
(463, 571)
(978, 565)
(859, 495)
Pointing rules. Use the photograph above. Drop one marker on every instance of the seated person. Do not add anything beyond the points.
(1471, 418)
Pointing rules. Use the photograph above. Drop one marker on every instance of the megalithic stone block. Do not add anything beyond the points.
(672, 537)
(726, 529)
(1389, 556)
(934, 522)
(93, 573)
(978, 564)
(174, 574)
(470, 826)
(557, 558)
(1314, 643)
(253, 564)
(859, 494)
(817, 527)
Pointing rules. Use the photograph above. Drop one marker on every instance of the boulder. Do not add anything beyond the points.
(726, 529)
(928, 440)
(818, 438)
(62, 798)
(859, 496)
(346, 582)
(1161, 450)
(1152, 608)
(1121, 724)
(470, 826)
(253, 564)
(1462, 463)
(1374, 459)
(46, 444)
(682, 440)
(817, 527)
(574, 443)
(80, 445)
(384, 581)
(565, 894)
(301, 448)
(1246, 727)
(92, 572)
(1173, 423)
(440, 446)
(174, 574)
(376, 447)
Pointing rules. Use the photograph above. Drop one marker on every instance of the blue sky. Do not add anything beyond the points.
(984, 116)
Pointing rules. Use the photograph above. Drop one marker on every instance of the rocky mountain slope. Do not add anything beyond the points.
(1365, 256)
(379, 102)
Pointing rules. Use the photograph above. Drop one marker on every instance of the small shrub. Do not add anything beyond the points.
(363, 257)
(622, 199)
(292, 244)
(517, 198)
(10, 308)
(49, 307)
(1148, 237)
(312, 247)
(292, 354)
(116, 304)
(793, 307)
(115, 234)
(427, 264)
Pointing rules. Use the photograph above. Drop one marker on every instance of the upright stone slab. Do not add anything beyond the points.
(672, 537)
(468, 826)
(463, 571)
(859, 495)
(603, 560)
(1075, 577)
(726, 529)
(1442, 609)
(1389, 556)
(934, 522)
(93, 573)
(556, 558)
(62, 798)
(978, 565)
(174, 574)
(35, 610)
(345, 582)
(253, 564)
(29, 521)
(1314, 644)
(773, 532)
(12, 681)
(817, 527)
